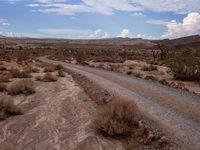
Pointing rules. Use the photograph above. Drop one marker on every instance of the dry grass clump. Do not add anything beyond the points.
(61, 73)
(49, 68)
(59, 67)
(150, 68)
(3, 68)
(117, 118)
(31, 69)
(7, 107)
(4, 78)
(48, 77)
(21, 87)
(19, 74)
(2, 87)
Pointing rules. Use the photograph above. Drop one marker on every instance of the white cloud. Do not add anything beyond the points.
(108, 7)
(189, 26)
(50, 1)
(76, 33)
(138, 14)
(99, 33)
(63, 9)
(3, 23)
(63, 31)
(125, 33)
(176, 6)
(13, 1)
(157, 22)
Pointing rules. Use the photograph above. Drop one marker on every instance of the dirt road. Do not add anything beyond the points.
(172, 110)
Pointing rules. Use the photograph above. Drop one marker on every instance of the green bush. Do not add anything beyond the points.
(186, 65)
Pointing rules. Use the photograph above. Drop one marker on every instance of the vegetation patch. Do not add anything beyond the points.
(49, 68)
(19, 74)
(186, 65)
(4, 78)
(118, 117)
(2, 87)
(25, 86)
(59, 67)
(48, 77)
(7, 107)
(61, 73)
(149, 68)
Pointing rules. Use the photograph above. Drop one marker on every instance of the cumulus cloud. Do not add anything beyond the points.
(189, 26)
(99, 33)
(125, 33)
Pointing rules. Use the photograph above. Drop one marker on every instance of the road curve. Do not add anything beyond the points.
(175, 111)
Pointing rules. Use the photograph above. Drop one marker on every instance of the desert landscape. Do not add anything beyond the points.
(99, 74)
(56, 94)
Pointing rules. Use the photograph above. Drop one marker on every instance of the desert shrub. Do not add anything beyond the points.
(129, 72)
(25, 86)
(137, 74)
(61, 73)
(31, 69)
(186, 65)
(117, 118)
(48, 77)
(7, 107)
(23, 56)
(59, 67)
(19, 74)
(2, 87)
(149, 68)
(49, 69)
(3, 68)
(4, 78)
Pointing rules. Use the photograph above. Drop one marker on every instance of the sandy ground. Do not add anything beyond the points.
(57, 117)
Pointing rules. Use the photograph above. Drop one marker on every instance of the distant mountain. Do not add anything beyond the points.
(180, 43)
(109, 43)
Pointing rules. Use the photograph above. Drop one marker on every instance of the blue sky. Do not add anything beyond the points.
(91, 19)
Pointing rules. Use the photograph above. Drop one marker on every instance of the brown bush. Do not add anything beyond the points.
(59, 67)
(117, 118)
(19, 74)
(31, 69)
(3, 68)
(48, 77)
(61, 73)
(21, 87)
(129, 72)
(2, 87)
(7, 107)
(4, 78)
(186, 65)
(49, 69)
(149, 68)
